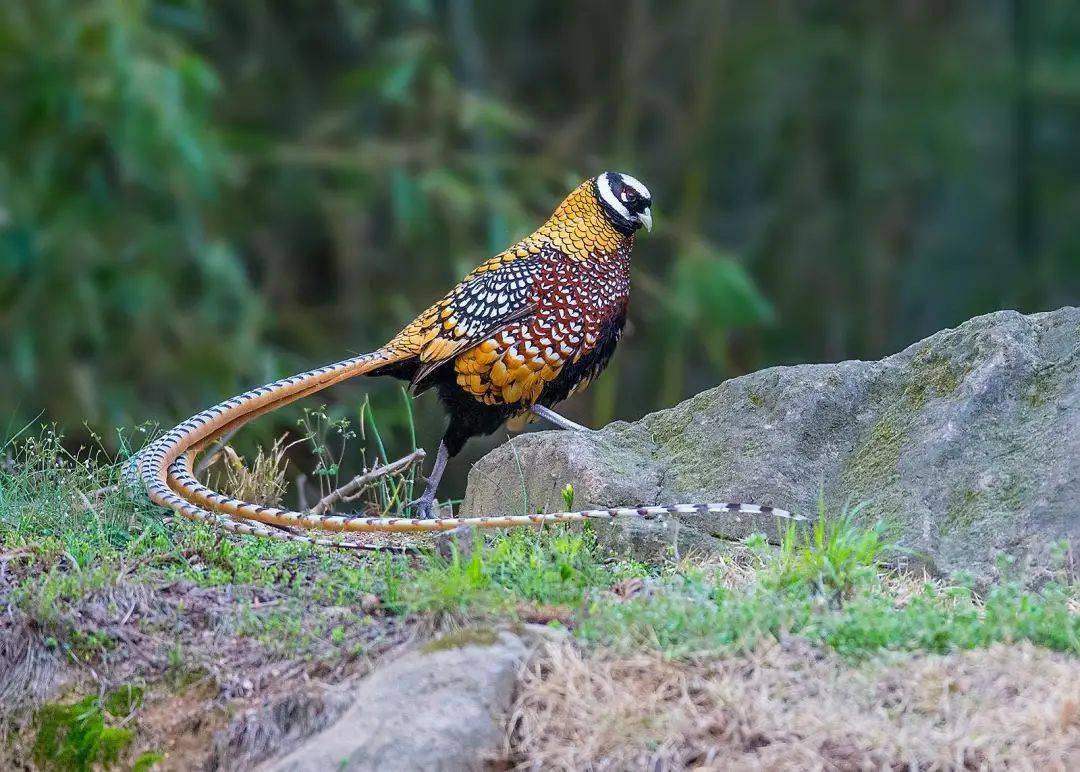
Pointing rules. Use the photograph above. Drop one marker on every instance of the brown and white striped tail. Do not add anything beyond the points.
(165, 469)
(153, 462)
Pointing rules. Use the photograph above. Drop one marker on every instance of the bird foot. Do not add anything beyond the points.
(556, 420)
(423, 508)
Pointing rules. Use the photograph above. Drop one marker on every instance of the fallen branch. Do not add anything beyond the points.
(356, 485)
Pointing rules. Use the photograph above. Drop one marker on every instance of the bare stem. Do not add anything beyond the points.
(301, 491)
(211, 454)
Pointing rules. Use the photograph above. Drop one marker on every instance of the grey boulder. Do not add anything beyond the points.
(442, 707)
(967, 442)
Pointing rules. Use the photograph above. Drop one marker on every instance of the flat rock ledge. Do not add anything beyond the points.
(441, 707)
(967, 443)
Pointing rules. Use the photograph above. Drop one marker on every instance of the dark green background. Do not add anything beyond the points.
(196, 197)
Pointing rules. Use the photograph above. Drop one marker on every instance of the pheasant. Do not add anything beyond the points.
(519, 334)
(532, 325)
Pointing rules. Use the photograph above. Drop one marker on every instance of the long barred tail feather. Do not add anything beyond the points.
(164, 468)
(579, 258)
(152, 463)
(202, 496)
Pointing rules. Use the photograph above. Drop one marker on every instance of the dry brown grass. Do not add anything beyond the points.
(734, 570)
(793, 707)
(262, 481)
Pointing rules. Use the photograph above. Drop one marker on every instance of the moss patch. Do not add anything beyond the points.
(76, 737)
(962, 509)
(967, 507)
(1047, 384)
(876, 460)
(933, 377)
(124, 701)
(147, 761)
(471, 636)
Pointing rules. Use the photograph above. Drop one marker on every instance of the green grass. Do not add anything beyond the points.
(689, 618)
(555, 566)
(67, 503)
(830, 586)
(833, 557)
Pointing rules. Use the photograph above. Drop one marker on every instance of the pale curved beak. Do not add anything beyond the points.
(646, 218)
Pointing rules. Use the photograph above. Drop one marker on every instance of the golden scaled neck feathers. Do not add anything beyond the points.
(578, 228)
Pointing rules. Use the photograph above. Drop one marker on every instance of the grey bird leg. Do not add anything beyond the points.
(556, 420)
(423, 505)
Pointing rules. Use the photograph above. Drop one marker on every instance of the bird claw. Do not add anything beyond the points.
(422, 508)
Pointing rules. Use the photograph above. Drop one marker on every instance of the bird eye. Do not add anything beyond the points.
(629, 195)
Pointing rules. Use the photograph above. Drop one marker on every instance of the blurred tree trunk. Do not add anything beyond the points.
(1027, 247)
(697, 161)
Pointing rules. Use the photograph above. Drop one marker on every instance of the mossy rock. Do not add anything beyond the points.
(967, 442)
(470, 636)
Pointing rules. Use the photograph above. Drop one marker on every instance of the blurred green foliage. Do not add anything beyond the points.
(119, 296)
(198, 196)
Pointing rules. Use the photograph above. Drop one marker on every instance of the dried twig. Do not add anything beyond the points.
(88, 506)
(396, 549)
(356, 485)
(127, 616)
(102, 492)
(285, 528)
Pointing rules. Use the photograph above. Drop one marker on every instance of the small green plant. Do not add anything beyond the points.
(836, 556)
(568, 497)
(124, 701)
(556, 565)
(88, 644)
(76, 737)
(337, 635)
(179, 673)
(319, 430)
(147, 761)
(328, 437)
